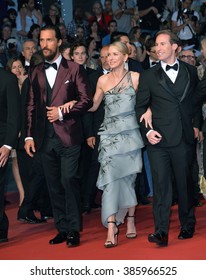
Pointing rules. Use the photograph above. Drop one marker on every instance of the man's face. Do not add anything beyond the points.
(49, 45)
(97, 10)
(103, 58)
(112, 27)
(29, 48)
(164, 49)
(125, 40)
(152, 53)
(187, 4)
(188, 57)
(80, 55)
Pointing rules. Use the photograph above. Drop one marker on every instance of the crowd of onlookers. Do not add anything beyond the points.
(86, 35)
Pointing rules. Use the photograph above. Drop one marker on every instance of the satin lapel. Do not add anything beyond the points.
(188, 82)
(42, 80)
(60, 78)
(163, 82)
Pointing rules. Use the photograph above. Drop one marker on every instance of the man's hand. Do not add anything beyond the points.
(196, 133)
(91, 142)
(154, 137)
(30, 147)
(52, 114)
(4, 155)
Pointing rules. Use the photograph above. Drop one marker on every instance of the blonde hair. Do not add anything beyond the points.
(203, 43)
(121, 47)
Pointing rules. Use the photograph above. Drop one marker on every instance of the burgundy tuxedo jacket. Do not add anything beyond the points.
(70, 84)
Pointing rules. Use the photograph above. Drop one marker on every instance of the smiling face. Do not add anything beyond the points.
(116, 56)
(165, 50)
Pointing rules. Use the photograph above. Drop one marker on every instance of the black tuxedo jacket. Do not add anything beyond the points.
(9, 109)
(171, 117)
(93, 120)
(134, 65)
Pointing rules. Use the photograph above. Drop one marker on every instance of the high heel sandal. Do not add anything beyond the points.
(109, 243)
(131, 235)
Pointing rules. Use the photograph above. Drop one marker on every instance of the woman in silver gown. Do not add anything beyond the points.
(120, 144)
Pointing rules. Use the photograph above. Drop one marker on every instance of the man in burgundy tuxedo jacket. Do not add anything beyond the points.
(58, 135)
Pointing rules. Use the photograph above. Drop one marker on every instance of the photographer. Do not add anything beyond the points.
(185, 23)
(150, 13)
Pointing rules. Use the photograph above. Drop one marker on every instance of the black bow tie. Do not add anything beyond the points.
(154, 62)
(175, 67)
(47, 65)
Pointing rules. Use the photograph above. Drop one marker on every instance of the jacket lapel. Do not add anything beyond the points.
(188, 81)
(163, 81)
(41, 80)
(60, 78)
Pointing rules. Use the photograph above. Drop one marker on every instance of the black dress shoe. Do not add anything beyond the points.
(73, 239)
(46, 217)
(159, 239)
(3, 236)
(31, 220)
(186, 233)
(59, 238)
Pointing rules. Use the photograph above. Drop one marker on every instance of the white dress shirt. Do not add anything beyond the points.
(172, 74)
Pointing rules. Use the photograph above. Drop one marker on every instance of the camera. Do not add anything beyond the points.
(190, 14)
(11, 43)
(163, 18)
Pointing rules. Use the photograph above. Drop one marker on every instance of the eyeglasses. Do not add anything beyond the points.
(187, 56)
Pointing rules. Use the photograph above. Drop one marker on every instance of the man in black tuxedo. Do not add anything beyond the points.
(9, 130)
(168, 88)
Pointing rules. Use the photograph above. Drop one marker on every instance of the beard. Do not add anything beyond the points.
(51, 55)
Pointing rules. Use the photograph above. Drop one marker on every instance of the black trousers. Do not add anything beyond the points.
(4, 222)
(61, 171)
(36, 193)
(166, 162)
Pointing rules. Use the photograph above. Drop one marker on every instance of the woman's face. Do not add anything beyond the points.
(115, 57)
(17, 68)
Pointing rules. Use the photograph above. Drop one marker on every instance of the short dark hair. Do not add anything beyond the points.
(77, 44)
(174, 39)
(54, 28)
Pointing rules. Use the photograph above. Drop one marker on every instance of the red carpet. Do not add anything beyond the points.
(30, 242)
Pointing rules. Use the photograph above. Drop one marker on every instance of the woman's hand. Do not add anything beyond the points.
(67, 106)
(147, 117)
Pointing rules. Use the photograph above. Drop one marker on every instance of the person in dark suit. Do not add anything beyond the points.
(36, 195)
(79, 54)
(58, 135)
(168, 88)
(9, 130)
(91, 125)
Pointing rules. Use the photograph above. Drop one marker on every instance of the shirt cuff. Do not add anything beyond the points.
(60, 114)
(8, 147)
(28, 138)
(149, 132)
